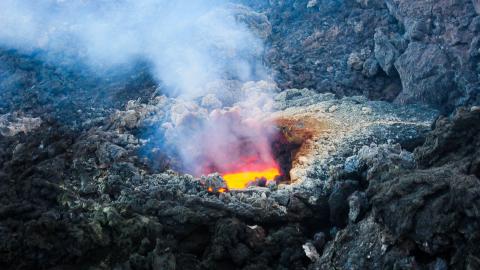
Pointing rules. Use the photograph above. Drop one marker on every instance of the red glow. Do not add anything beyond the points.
(248, 169)
(239, 180)
(237, 147)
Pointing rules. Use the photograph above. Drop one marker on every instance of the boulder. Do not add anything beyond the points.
(385, 52)
(108, 152)
(338, 202)
(426, 74)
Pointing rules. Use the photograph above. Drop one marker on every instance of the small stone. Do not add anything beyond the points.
(355, 62)
(351, 164)
(370, 68)
(312, 3)
(130, 119)
(357, 204)
(332, 108)
(108, 152)
(367, 110)
(311, 252)
(417, 30)
(319, 240)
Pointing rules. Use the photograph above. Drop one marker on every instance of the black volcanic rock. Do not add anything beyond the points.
(312, 41)
(85, 179)
(420, 216)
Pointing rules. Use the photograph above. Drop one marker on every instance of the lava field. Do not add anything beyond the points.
(240, 134)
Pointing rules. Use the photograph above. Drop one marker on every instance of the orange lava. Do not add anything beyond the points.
(240, 180)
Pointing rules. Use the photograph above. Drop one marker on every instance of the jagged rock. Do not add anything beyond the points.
(343, 251)
(439, 64)
(426, 74)
(312, 3)
(108, 153)
(474, 50)
(338, 202)
(319, 240)
(385, 52)
(309, 59)
(476, 5)
(375, 159)
(258, 22)
(438, 264)
(453, 141)
(422, 212)
(370, 67)
(357, 204)
(416, 30)
(311, 252)
(355, 61)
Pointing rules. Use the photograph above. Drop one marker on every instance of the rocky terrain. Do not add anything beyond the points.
(404, 51)
(387, 178)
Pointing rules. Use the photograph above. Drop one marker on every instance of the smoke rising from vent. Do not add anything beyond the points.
(188, 43)
(192, 48)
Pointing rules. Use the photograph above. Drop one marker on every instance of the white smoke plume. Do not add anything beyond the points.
(188, 43)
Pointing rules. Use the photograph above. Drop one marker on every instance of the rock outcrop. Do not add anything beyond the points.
(420, 216)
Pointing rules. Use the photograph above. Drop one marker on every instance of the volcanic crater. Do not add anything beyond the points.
(242, 134)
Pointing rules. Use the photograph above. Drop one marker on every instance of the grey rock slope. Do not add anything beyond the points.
(408, 51)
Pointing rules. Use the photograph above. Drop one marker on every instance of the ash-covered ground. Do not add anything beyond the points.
(381, 96)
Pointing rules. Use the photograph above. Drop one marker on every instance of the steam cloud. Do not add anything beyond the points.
(188, 43)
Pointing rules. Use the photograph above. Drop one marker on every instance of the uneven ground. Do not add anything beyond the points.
(380, 184)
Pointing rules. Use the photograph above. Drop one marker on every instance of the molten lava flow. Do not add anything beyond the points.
(239, 180)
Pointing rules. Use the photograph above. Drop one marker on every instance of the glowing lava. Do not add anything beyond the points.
(239, 180)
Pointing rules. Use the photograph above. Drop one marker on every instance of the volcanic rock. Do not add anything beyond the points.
(89, 180)
(476, 5)
(426, 75)
(10, 125)
(357, 205)
(311, 252)
(418, 211)
(338, 202)
(385, 52)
